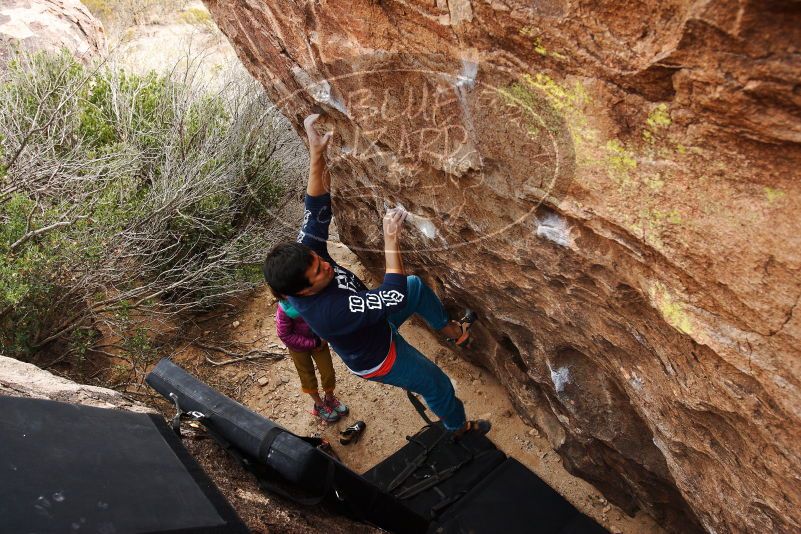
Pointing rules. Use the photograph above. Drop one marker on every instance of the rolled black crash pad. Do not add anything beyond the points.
(281, 460)
(71, 468)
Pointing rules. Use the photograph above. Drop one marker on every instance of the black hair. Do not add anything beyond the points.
(285, 268)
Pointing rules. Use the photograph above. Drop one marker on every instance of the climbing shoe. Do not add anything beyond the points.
(352, 433)
(329, 415)
(335, 404)
(479, 426)
(464, 323)
(325, 446)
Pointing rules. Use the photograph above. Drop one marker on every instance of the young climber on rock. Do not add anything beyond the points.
(361, 324)
(306, 350)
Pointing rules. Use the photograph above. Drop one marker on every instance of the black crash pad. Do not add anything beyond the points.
(69, 468)
(469, 486)
(460, 465)
(513, 499)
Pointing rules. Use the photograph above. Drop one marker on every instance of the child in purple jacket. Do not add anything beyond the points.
(306, 349)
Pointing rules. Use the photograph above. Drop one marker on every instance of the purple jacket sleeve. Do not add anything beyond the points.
(285, 326)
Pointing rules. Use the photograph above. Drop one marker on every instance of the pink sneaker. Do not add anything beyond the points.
(324, 412)
(334, 403)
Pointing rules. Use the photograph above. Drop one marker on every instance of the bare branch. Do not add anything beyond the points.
(31, 234)
(246, 357)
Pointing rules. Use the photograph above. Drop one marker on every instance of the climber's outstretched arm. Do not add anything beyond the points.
(319, 180)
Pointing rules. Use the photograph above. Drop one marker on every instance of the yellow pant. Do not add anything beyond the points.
(305, 366)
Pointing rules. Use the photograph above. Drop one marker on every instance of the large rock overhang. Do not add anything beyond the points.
(614, 187)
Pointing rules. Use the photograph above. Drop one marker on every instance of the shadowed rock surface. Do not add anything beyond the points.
(615, 187)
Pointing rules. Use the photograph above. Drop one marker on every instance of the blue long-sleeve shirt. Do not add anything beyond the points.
(352, 318)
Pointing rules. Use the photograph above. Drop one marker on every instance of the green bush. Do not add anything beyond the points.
(123, 192)
(197, 17)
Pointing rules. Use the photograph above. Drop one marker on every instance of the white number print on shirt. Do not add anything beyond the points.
(373, 301)
(345, 280)
(392, 297)
(302, 232)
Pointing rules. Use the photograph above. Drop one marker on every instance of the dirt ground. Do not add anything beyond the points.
(272, 388)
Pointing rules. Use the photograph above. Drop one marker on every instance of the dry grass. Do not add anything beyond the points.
(118, 15)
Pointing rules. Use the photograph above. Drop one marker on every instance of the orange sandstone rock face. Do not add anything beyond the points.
(614, 186)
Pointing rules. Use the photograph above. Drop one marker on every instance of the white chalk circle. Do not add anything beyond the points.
(466, 143)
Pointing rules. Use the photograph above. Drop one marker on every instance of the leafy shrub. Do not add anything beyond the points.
(123, 192)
